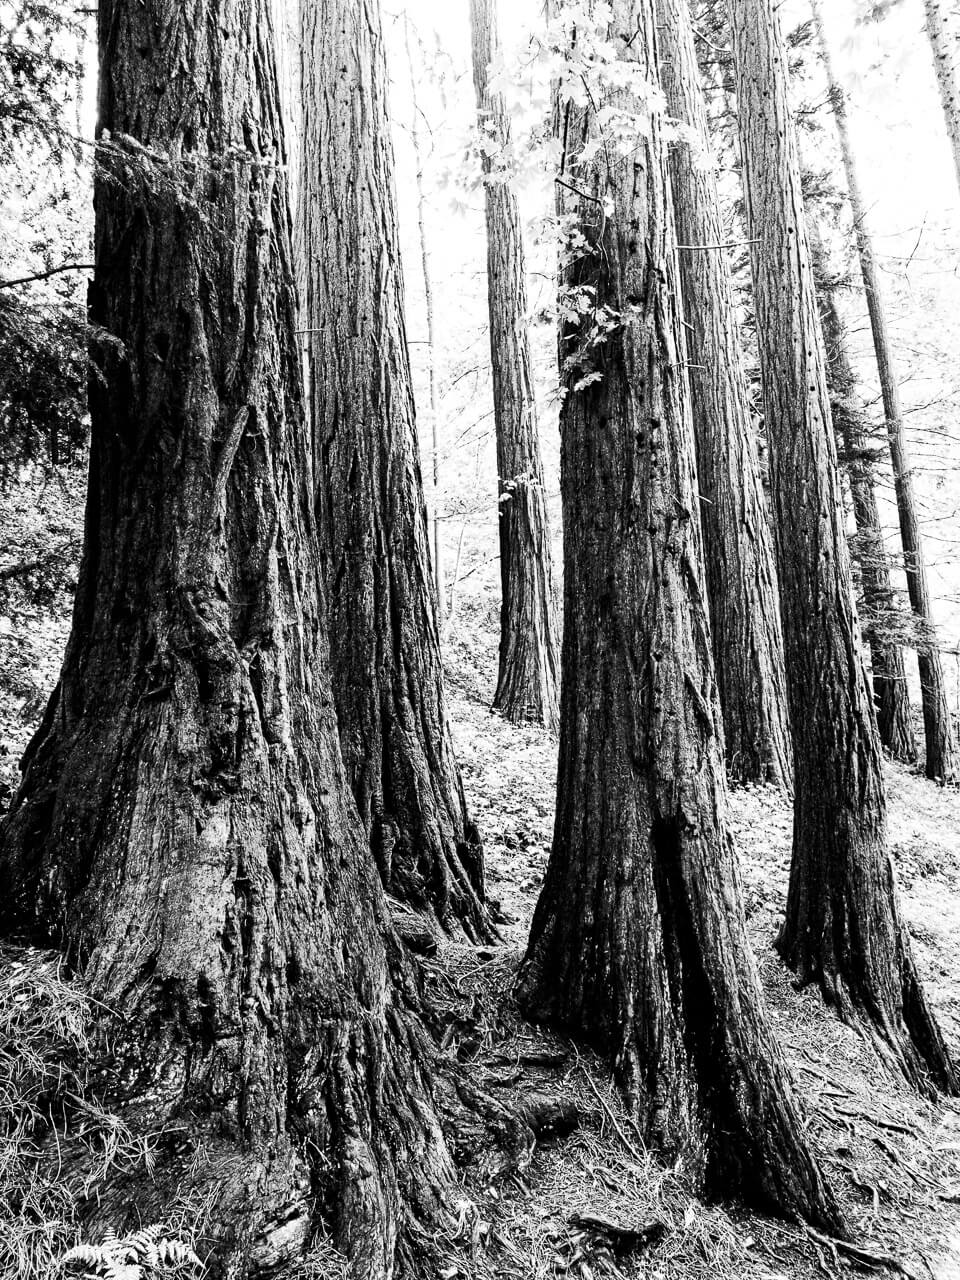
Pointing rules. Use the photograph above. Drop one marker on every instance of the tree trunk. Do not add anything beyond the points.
(938, 734)
(382, 607)
(890, 695)
(943, 46)
(843, 927)
(638, 942)
(184, 828)
(738, 550)
(437, 544)
(529, 666)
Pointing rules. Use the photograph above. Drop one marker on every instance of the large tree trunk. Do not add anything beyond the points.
(638, 942)
(382, 607)
(528, 673)
(185, 829)
(738, 550)
(938, 734)
(890, 695)
(427, 274)
(943, 46)
(843, 927)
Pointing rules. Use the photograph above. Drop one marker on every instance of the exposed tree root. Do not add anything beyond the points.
(374, 1169)
(872, 983)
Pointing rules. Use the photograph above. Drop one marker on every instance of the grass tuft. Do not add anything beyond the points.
(43, 1045)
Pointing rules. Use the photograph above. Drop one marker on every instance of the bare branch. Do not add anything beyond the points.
(45, 275)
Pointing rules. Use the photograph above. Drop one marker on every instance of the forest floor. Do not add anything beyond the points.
(892, 1157)
(593, 1201)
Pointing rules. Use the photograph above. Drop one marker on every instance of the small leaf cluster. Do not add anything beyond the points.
(587, 326)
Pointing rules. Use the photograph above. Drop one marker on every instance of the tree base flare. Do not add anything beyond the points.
(688, 1039)
(898, 1023)
(373, 1178)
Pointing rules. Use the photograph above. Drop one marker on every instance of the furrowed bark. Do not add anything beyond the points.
(938, 732)
(638, 943)
(843, 928)
(185, 829)
(528, 673)
(381, 603)
(943, 46)
(436, 541)
(890, 694)
(738, 549)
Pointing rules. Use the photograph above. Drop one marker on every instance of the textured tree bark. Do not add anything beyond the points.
(843, 928)
(185, 829)
(938, 733)
(890, 695)
(382, 608)
(943, 46)
(638, 942)
(528, 673)
(738, 550)
(437, 542)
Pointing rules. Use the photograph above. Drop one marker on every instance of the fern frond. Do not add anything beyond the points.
(138, 1242)
(177, 1253)
(87, 1255)
(142, 1254)
(115, 1270)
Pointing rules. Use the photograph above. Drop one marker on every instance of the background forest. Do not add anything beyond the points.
(515, 1026)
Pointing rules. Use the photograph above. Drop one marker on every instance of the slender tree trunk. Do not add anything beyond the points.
(943, 46)
(843, 927)
(185, 829)
(529, 663)
(638, 942)
(382, 607)
(437, 542)
(938, 734)
(890, 695)
(738, 550)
